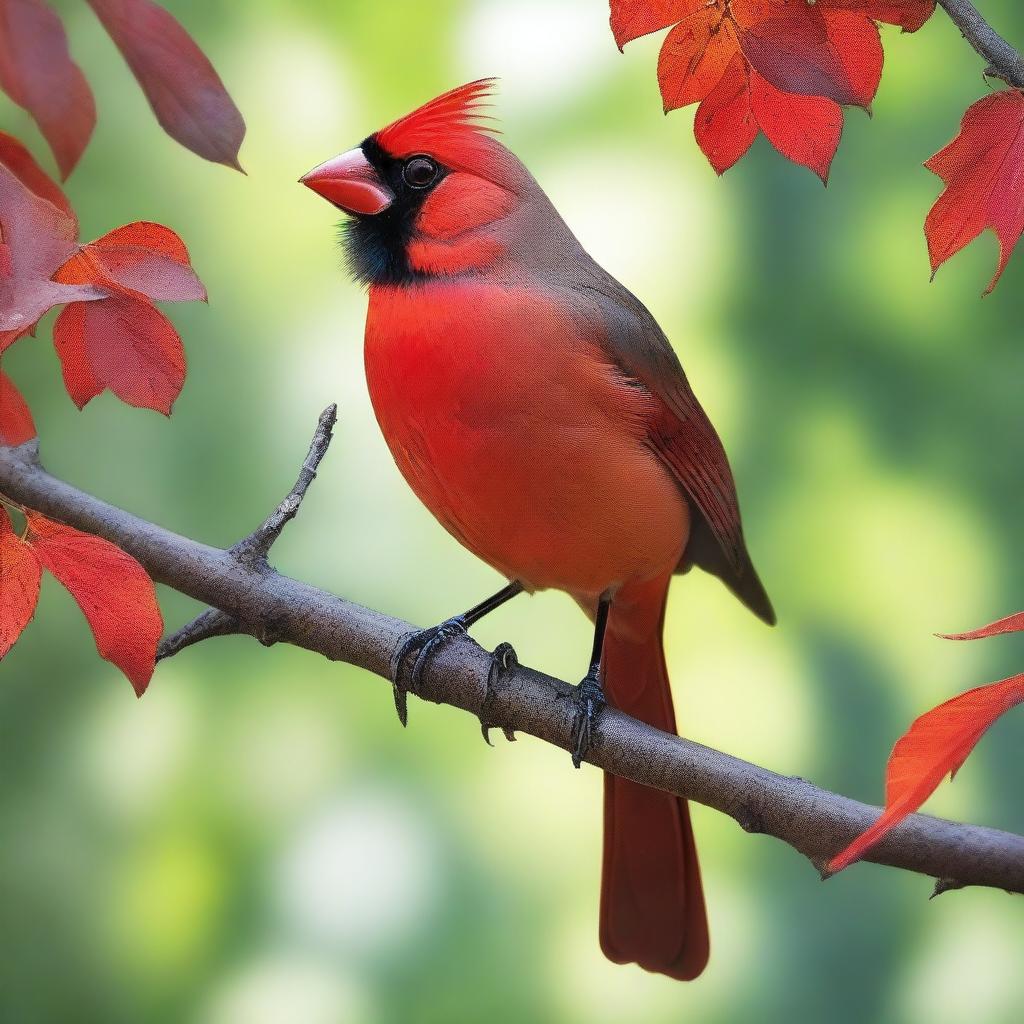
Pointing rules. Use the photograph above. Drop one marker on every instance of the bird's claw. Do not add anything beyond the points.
(426, 643)
(589, 699)
(502, 660)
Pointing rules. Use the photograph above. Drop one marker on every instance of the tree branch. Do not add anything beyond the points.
(247, 595)
(1003, 60)
(256, 547)
(213, 622)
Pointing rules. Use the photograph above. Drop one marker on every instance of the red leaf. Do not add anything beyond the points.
(16, 426)
(812, 54)
(798, 51)
(1011, 624)
(142, 234)
(150, 259)
(124, 344)
(19, 584)
(18, 159)
(70, 342)
(694, 57)
(145, 260)
(116, 596)
(937, 744)
(983, 168)
(909, 15)
(182, 87)
(631, 19)
(37, 72)
(858, 45)
(41, 237)
(725, 126)
(804, 129)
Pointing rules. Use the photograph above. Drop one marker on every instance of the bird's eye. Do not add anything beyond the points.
(419, 172)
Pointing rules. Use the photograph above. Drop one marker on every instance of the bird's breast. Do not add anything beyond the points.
(509, 422)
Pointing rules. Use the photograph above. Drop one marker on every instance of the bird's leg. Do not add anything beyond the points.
(589, 694)
(427, 642)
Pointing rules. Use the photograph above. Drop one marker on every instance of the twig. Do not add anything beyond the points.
(1003, 60)
(258, 544)
(213, 622)
(266, 603)
(254, 550)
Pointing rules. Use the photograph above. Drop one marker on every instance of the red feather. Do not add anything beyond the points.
(448, 128)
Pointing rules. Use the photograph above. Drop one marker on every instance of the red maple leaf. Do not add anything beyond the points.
(936, 745)
(113, 591)
(110, 335)
(983, 168)
(781, 67)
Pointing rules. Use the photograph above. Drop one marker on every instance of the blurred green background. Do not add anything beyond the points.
(257, 841)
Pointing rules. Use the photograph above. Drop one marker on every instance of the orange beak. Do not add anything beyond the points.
(351, 183)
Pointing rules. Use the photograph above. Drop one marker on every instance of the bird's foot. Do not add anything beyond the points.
(502, 660)
(589, 700)
(425, 644)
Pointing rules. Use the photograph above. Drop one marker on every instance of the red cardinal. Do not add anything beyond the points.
(538, 411)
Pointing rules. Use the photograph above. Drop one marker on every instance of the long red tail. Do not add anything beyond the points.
(652, 902)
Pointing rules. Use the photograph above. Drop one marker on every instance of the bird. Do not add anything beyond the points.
(536, 408)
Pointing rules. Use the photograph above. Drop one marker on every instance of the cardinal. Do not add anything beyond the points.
(538, 411)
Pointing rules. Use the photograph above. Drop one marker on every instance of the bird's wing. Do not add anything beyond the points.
(683, 437)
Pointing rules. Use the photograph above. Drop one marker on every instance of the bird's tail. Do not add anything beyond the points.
(652, 902)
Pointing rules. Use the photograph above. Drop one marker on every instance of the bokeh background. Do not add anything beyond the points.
(257, 841)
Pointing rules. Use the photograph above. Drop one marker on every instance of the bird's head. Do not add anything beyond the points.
(428, 194)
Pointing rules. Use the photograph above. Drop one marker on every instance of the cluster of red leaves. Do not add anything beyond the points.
(109, 334)
(937, 744)
(782, 67)
(115, 594)
(184, 90)
(787, 67)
